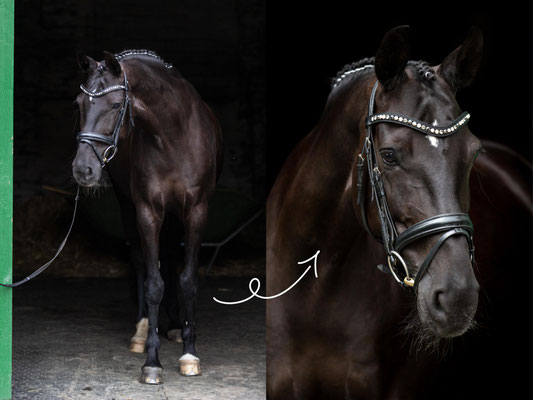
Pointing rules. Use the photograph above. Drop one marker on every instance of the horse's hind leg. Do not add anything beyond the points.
(168, 259)
(194, 222)
(138, 341)
(149, 222)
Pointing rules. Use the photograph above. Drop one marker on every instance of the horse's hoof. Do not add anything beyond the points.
(174, 335)
(151, 375)
(137, 346)
(138, 341)
(189, 365)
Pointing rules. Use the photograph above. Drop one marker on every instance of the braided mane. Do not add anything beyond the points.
(422, 68)
(141, 52)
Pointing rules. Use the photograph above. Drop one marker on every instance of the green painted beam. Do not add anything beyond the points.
(6, 189)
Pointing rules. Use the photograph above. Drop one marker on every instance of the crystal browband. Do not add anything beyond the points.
(102, 92)
(420, 126)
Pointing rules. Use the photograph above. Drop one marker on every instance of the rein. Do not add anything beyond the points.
(110, 141)
(43, 267)
(449, 224)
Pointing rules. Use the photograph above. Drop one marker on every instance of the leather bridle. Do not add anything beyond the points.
(447, 225)
(110, 141)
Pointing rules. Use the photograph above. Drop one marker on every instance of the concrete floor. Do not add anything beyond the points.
(71, 336)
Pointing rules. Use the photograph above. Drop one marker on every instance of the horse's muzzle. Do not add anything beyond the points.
(86, 175)
(449, 310)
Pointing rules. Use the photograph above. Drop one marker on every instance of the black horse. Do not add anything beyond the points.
(396, 186)
(163, 149)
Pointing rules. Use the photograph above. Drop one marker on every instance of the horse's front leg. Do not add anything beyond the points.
(194, 222)
(149, 222)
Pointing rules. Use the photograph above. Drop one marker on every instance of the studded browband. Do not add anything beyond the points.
(438, 131)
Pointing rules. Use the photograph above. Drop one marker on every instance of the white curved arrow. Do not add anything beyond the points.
(258, 282)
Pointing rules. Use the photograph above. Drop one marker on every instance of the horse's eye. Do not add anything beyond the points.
(75, 105)
(116, 105)
(389, 156)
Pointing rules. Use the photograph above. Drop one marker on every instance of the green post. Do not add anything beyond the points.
(6, 189)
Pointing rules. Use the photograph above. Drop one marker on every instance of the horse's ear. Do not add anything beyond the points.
(112, 63)
(392, 57)
(86, 63)
(460, 68)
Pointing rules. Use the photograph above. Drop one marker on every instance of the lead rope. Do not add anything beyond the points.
(61, 246)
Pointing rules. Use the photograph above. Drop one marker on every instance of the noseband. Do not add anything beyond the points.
(110, 141)
(447, 225)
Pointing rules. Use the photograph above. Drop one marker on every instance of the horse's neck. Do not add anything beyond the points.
(315, 188)
(147, 100)
(332, 152)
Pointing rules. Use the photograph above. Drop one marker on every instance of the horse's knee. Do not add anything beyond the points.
(189, 281)
(153, 290)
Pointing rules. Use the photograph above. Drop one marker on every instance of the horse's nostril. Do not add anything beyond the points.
(438, 298)
(449, 301)
(88, 172)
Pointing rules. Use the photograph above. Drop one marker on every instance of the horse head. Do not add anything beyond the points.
(421, 164)
(103, 104)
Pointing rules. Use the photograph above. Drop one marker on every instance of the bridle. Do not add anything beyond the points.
(447, 225)
(110, 141)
